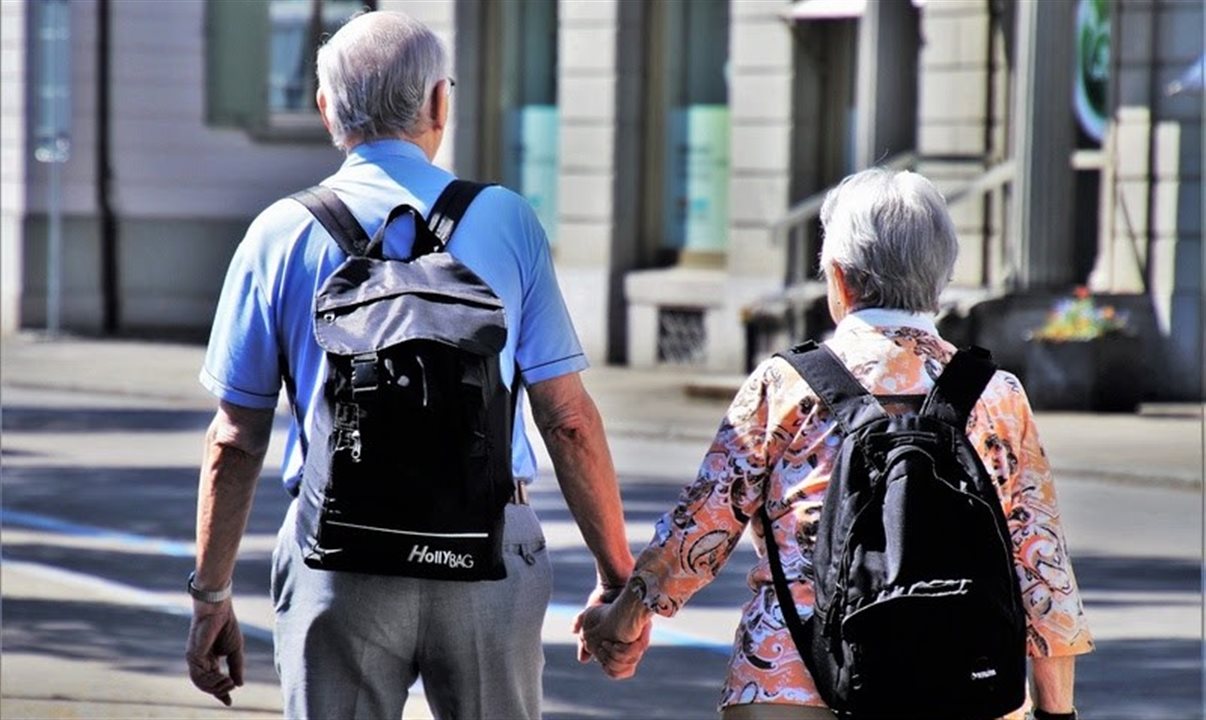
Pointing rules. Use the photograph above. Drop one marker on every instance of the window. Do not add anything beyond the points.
(686, 174)
(260, 63)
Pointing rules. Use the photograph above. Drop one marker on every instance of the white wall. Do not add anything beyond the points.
(587, 76)
(182, 191)
(13, 159)
(952, 114)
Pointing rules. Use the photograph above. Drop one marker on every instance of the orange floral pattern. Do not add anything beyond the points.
(777, 442)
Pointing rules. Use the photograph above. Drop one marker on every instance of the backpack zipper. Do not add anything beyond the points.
(422, 377)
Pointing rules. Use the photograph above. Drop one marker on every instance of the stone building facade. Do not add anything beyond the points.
(675, 151)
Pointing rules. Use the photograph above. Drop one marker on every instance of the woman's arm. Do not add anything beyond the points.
(694, 540)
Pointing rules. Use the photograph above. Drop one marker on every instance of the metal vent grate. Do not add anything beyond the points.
(680, 336)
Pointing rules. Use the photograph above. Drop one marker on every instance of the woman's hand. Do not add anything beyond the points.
(615, 634)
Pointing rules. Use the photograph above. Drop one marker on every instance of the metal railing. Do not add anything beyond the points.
(797, 228)
(797, 231)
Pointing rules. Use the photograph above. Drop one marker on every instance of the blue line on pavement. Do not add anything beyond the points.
(174, 548)
(34, 521)
(661, 635)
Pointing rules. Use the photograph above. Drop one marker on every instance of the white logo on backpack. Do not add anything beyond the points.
(440, 557)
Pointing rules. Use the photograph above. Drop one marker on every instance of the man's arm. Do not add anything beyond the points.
(235, 446)
(1054, 679)
(572, 430)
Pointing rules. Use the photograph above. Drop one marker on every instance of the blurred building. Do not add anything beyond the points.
(676, 152)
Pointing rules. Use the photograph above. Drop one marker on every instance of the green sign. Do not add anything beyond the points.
(1092, 78)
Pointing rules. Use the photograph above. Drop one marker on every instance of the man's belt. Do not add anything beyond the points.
(520, 496)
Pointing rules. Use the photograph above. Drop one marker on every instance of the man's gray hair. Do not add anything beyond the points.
(378, 73)
(892, 235)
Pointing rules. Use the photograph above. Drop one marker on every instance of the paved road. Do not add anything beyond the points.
(98, 498)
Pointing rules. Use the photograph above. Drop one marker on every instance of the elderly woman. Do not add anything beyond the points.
(889, 250)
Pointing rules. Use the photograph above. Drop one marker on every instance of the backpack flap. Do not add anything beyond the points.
(368, 305)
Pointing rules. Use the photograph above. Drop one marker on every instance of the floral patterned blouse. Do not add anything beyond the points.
(777, 444)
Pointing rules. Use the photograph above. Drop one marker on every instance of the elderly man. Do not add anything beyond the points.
(351, 644)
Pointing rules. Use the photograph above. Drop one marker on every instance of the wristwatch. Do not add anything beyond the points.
(1044, 715)
(207, 596)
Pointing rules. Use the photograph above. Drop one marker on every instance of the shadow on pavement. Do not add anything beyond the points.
(20, 418)
(127, 638)
(26, 418)
(145, 571)
(158, 502)
(1158, 679)
(1137, 574)
(671, 682)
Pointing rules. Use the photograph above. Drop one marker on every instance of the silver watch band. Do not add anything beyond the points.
(207, 596)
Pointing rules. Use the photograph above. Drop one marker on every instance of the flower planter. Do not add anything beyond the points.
(1100, 375)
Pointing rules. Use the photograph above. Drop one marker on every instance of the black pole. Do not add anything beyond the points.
(104, 174)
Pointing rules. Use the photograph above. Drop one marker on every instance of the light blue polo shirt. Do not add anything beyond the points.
(265, 312)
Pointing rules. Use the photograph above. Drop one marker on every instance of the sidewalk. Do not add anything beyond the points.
(1162, 445)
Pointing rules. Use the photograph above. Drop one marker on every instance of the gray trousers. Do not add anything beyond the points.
(350, 646)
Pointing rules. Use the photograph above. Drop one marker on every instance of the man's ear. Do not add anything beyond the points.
(320, 98)
(439, 105)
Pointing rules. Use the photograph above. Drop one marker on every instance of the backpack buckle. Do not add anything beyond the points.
(365, 377)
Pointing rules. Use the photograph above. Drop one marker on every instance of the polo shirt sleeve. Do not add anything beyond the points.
(548, 346)
(242, 360)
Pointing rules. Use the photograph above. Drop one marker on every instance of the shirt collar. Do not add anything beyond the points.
(376, 150)
(871, 318)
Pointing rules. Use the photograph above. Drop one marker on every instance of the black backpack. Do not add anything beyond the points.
(918, 613)
(409, 466)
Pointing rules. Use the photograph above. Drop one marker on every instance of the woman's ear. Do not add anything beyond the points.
(840, 295)
(320, 99)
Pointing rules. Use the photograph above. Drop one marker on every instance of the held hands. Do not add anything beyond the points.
(614, 629)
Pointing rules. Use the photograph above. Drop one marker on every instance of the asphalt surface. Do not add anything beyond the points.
(98, 480)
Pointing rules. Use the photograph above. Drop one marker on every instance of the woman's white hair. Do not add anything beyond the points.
(892, 235)
(378, 73)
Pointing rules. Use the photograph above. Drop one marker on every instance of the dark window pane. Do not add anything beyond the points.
(297, 29)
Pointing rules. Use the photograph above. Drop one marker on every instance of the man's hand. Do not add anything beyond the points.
(601, 595)
(612, 640)
(234, 455)
(214, 635)
(615, 630)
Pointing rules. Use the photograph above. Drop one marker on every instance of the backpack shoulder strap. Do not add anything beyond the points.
(448, 210)
(799, 631)
(959, 386)
(842, 393)
(334, 216)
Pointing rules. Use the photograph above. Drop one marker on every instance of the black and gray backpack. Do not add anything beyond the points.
(408, 468)
(918, 613)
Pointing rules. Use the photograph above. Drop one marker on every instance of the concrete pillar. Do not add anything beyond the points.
(1043, 140)
(960, 97)
(887, 81)
(761, 77)
(1122, 242)
(589, 77)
